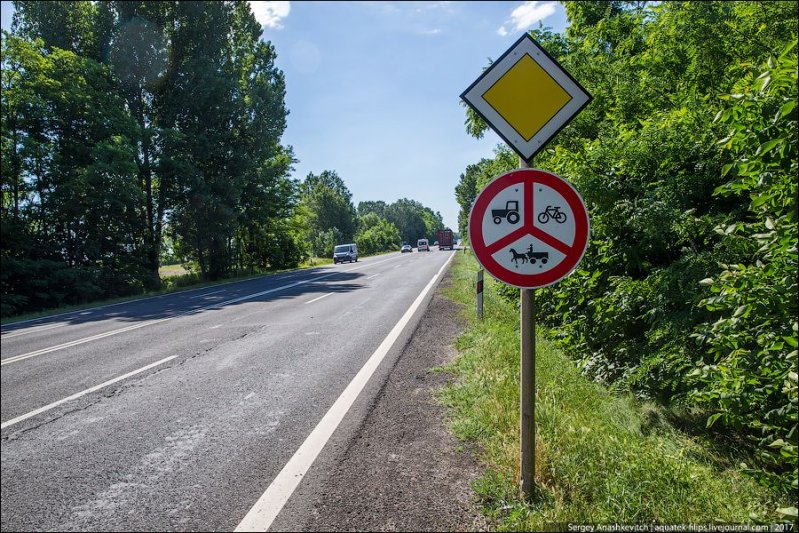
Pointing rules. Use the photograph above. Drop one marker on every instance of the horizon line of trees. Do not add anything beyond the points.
(143, 131)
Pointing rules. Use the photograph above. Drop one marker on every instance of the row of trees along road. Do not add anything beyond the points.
(134, 132)
(687, 161)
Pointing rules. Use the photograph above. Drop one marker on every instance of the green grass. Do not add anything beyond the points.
(600, 457)
(167, 271)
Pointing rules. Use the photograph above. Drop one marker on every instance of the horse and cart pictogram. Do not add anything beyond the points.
(547, 230)
(529, 256)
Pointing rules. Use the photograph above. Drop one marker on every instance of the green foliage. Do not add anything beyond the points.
(669, 204)
(331, 215)
(69, 209)
(749, 375)
(413, 220)
(325, 241)
(376, 234)
(123, 119)
(383, 227)
(378, 208)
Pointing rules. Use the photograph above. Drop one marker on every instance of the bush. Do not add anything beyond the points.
(749, 374)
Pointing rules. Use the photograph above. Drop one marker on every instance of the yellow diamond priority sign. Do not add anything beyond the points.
(526, 97)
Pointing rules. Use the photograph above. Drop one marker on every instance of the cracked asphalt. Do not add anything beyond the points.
(191, 443)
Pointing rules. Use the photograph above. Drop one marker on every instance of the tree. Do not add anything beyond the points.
(67, 184)
(226, 98)
(376, 234)
(328, 202)
(120, 118)
(138, 55)
(407, 216)
(377, 207)
(68, 25)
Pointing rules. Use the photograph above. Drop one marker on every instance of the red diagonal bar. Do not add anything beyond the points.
(510, 238)
(546, 238)
(528, 205)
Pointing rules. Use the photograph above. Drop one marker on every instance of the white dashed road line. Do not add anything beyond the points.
(185, 313)
(319, 298)
(83, 393)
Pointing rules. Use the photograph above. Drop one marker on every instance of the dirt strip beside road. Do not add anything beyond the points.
(404, 471)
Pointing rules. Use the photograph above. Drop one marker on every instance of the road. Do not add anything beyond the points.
(178, 412)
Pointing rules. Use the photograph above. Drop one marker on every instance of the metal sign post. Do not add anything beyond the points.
(527, 381)
(527, 398)
(528, 228)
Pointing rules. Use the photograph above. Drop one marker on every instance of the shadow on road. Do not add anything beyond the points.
(194, 301)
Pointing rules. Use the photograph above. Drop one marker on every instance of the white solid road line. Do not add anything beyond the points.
(317, 299)
(34, 329)
(83, 393)
(205, 294)
(266, 509)
(70, 344)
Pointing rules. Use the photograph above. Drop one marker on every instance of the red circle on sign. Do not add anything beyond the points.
(573, 252)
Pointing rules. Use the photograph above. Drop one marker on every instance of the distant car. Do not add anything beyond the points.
(435, 243)
(422, 245)
(345, 252)
(406, 248)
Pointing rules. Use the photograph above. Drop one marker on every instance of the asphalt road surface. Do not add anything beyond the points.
(179, 412)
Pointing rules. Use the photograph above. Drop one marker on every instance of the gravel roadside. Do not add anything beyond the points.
(403, 470)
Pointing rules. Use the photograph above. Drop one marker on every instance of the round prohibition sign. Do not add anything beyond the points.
(529, 228)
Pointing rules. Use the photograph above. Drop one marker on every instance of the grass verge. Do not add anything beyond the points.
(600, 457)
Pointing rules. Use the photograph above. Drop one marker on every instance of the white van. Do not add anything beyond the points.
(345, 252)
(422, 245)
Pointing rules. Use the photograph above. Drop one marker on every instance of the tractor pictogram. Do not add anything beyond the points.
(510, 213)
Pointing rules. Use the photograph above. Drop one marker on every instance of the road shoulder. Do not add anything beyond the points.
(403, 470)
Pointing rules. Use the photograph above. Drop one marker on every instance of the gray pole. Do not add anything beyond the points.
(527, 406)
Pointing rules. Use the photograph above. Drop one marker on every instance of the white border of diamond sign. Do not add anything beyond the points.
(526, 45)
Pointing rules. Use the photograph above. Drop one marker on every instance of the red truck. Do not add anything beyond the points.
(445, 239)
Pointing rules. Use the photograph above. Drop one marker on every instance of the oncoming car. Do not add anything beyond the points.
(345, 252)
(406, 248)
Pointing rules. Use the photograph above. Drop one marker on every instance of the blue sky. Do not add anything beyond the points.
(373, 88)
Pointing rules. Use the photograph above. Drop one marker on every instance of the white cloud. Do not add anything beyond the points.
(429, 6)
(523, 17)
(270, 14)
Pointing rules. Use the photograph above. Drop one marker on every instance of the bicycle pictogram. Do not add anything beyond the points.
(553, 212)
(533, 252)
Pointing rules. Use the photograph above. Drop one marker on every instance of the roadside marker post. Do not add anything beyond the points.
(480, 294)
(528, 228)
